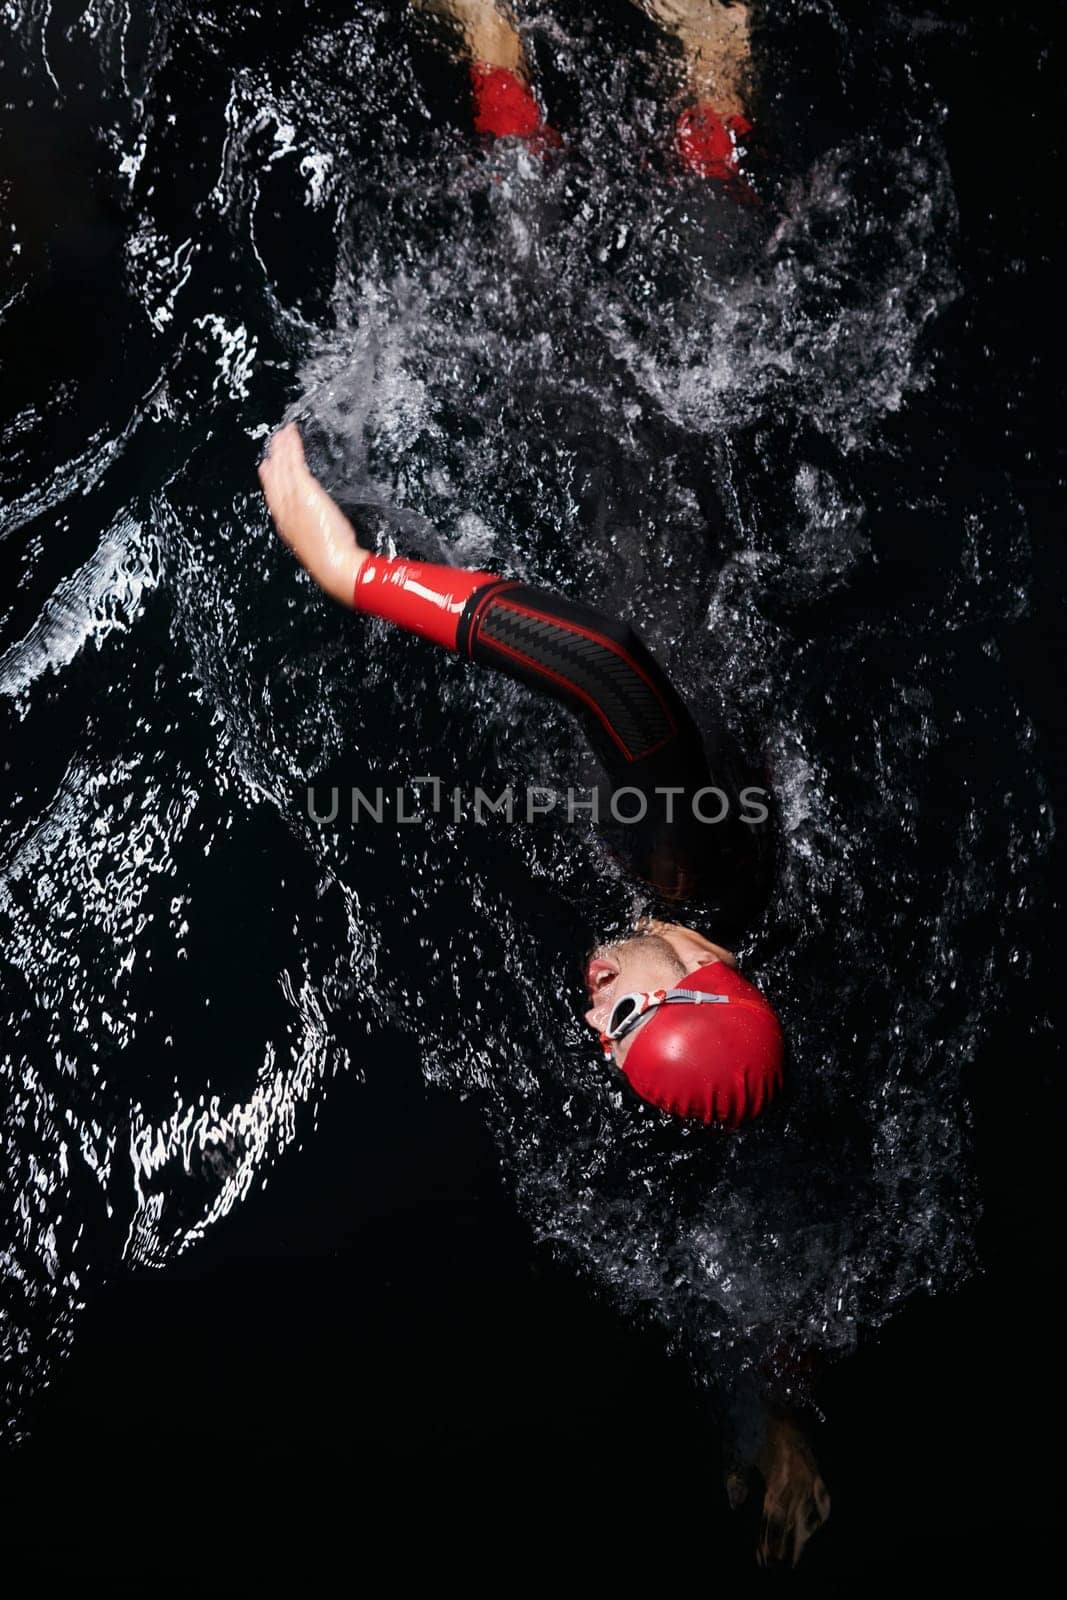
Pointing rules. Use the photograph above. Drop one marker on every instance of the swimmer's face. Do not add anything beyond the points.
(657, 957)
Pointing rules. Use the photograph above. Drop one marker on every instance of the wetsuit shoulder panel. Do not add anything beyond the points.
(577, 654)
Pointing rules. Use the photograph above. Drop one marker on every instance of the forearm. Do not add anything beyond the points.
(419, 596)
(567, 649)
(564, 647)
(598, 667)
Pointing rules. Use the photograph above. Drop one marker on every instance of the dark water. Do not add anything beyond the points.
(805, 446)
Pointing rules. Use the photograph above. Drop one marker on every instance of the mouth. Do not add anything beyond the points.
(599, 973)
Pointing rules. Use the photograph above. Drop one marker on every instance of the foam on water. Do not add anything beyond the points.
(586, 372)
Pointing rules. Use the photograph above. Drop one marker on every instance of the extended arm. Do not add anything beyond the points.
(638, 726)
(599, 667)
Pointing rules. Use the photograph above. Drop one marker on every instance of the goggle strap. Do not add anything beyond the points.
(661, 997)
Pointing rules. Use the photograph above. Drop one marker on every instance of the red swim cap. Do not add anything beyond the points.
(717, 1063)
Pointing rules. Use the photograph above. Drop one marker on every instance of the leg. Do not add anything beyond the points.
(486, 30)
(714, 37)
(715, 48)
(504, 104)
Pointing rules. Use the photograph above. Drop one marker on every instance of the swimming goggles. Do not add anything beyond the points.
(629, 1009)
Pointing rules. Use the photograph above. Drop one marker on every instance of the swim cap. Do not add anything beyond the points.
(716, 1063)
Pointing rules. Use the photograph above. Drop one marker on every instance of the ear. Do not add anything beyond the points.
(713, 952)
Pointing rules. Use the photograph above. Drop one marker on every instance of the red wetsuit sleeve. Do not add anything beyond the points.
(598, 666)
(417, 595)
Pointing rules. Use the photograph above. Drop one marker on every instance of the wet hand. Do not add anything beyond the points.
(796, 1502)
(307, 519)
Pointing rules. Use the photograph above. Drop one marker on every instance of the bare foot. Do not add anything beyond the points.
(795, 1498)
(311, 524)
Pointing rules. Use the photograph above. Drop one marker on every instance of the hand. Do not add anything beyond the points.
(795, 1499)
(311, 524)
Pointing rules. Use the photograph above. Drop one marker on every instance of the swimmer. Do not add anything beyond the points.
(715, 55)
(671, 1010)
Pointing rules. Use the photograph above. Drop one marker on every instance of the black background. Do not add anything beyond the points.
(373, 1363)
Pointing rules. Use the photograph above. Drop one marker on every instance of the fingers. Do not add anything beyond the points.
(283, 474)
(786, 1526)
(774, 1535)
(285, 452)
(288, 443)
(809, 1518)
(307, 519)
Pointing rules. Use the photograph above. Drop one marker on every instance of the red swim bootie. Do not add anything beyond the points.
(505, 107)
(711, 145)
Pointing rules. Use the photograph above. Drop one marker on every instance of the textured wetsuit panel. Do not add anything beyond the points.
(599, 665)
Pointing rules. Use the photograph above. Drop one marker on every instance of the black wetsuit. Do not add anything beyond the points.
(701, 822)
